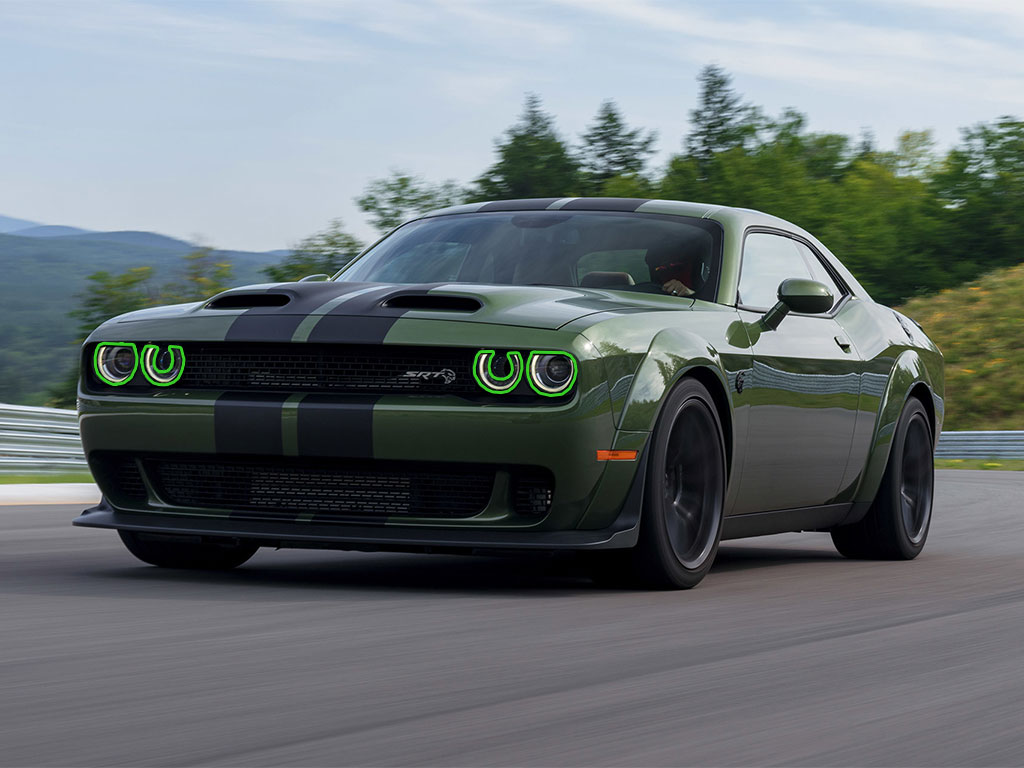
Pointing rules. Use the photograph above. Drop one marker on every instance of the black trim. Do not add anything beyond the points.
(621, 534)
(784, 521)
(248, 423)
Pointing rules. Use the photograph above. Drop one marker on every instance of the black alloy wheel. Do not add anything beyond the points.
(897, 524)
(681, 523)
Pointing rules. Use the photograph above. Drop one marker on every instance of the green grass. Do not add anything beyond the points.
(53, 477)
(1003, 464)
(980, 329)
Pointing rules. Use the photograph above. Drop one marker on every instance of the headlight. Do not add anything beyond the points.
(115, 363)
(162, 368)
(502, 382)
(551, 373)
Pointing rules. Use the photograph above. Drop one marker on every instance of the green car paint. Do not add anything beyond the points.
(808, 409)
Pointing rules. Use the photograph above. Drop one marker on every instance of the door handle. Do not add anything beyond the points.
(843, 342)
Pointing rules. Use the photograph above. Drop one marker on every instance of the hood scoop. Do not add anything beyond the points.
(248, 300)
(433, 302)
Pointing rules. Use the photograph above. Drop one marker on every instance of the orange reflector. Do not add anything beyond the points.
(616, 455)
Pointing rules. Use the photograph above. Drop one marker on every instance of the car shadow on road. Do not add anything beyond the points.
(552, 575)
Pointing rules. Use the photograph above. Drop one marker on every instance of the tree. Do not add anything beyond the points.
(533, 161)
(105, 296)
(721, 120)
(393, 200)
(981, 183)
(609, 149)
(323, 253)
(108, 296)
(207, 273)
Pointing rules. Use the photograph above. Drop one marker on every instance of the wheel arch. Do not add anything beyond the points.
(672, 356)
(910, 377)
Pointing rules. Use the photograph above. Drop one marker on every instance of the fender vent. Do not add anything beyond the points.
(249, 300)
(433, 302)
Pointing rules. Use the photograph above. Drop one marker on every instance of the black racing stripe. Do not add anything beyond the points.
(263, 326)
(363, 319)
(328, 427)
(280, 323)
(519, 205)
(354, 330)
(248, 423)
(628, 204)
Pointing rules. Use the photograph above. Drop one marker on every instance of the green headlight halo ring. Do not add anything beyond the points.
(97, 362)
(162, 377)
(535, 382)
(485, 377)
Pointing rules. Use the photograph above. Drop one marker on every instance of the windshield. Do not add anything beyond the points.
(618, 251)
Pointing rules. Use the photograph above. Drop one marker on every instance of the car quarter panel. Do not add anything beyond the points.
(895, 358)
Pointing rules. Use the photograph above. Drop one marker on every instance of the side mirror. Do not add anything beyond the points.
(312, 278)
(807, 297)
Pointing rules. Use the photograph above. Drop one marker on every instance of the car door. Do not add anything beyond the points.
(804, 385)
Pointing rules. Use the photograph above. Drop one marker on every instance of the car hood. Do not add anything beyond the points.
(542, 307)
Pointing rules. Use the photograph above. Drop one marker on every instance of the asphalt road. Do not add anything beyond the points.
(786, 654)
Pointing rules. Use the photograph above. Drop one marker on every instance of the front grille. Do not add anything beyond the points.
(287, 488)
(328, 368)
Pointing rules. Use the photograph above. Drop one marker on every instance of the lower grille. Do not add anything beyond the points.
(281, 488)
(119, 477)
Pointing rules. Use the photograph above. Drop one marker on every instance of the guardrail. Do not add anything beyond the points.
(46, 440)
(981, 445)
(38, 440)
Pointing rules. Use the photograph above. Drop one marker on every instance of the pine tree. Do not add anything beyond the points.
(533, 161)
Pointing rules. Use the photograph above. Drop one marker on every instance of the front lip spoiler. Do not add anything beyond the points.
(336, 536)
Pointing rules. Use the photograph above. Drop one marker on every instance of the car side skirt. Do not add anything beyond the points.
(785, 521)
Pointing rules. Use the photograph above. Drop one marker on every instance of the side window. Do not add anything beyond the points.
(612, 268)
(767, 261)
(819, 273)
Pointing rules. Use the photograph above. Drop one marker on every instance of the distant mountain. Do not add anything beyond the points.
(49, 230)
(41, 277)
(9, 224)
(130, 237)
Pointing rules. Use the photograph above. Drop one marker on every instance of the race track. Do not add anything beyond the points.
(786, 654)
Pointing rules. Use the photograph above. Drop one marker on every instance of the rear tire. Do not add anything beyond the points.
(896, 526)
(181, 552)
(684, 496)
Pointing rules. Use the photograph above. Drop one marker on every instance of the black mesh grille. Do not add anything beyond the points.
(119, 477)
(355, 490)
(531, 494)
(328, 368)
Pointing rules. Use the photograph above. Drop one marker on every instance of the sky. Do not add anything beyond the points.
(250, 125)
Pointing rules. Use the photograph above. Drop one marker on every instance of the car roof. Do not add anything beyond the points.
(620, 204)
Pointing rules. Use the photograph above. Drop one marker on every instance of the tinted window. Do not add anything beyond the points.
(767, 261)
(616, 251)
(819, 273)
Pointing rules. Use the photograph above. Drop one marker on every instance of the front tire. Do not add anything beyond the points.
(180, 552)
(896, 526)
(681, 523)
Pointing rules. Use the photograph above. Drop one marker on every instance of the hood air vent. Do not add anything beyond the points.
(249, 300)
(433, 302)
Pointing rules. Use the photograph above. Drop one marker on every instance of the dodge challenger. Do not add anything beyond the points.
(634, 379)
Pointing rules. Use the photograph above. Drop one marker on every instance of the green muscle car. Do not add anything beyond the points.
(637, 379)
